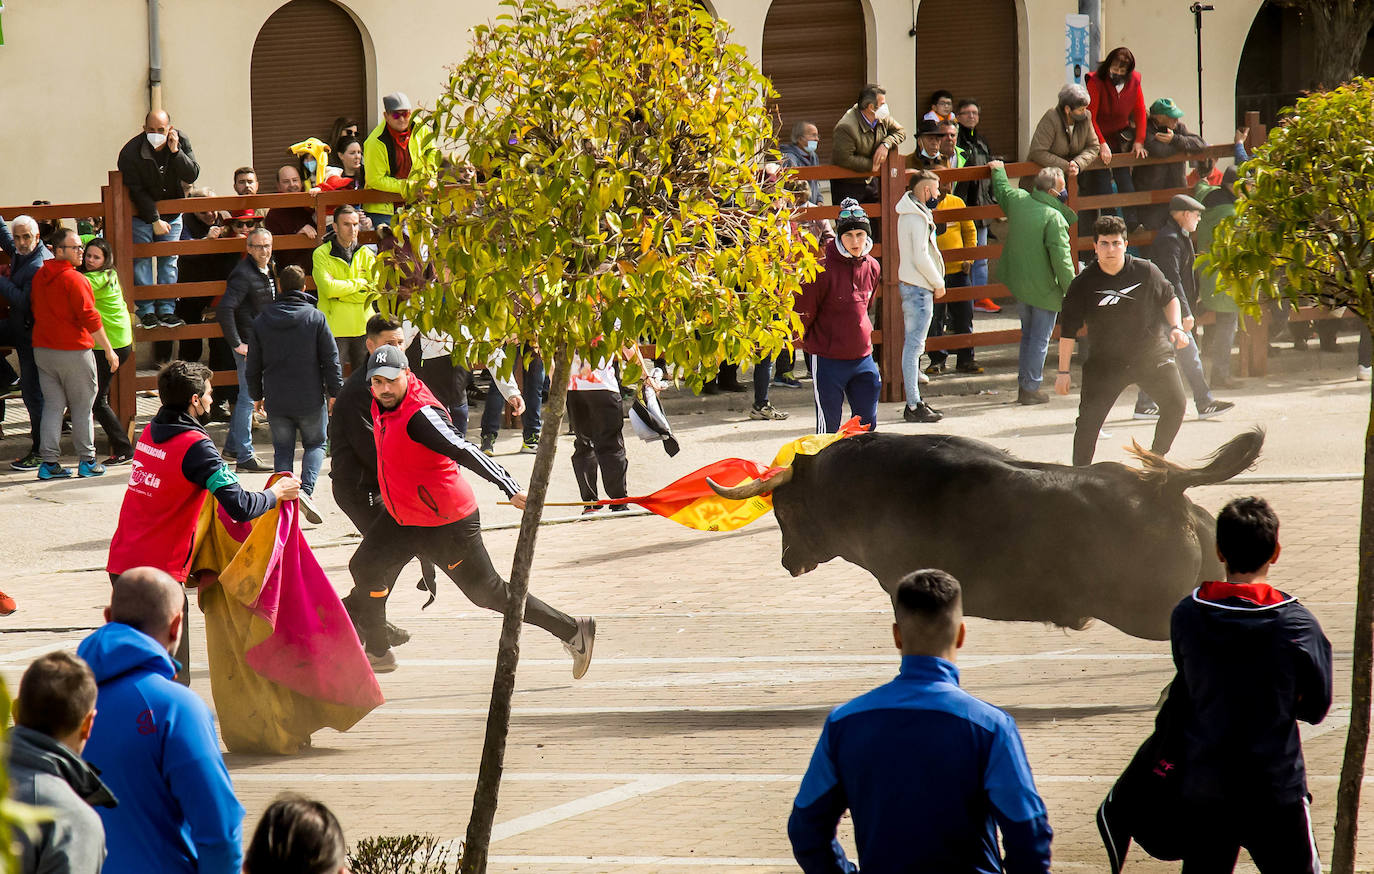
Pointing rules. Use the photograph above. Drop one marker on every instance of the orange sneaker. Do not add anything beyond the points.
(7, 605)
(985, 305)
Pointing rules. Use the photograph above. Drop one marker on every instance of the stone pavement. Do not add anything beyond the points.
(682, 748)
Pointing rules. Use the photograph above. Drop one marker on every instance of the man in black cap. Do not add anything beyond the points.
(392, 151)
(1128, 306)
(432, 513)
(1173, 254)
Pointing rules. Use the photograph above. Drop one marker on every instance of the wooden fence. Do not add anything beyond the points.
(116, 209)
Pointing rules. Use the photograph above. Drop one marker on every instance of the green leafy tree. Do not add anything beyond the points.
(603, 183)
(1304, 230)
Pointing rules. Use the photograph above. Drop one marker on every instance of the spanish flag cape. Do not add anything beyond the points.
(284, 658)
(691, 502)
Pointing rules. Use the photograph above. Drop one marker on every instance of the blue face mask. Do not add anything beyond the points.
(1064, 196)
(309, 165)
(811, 146)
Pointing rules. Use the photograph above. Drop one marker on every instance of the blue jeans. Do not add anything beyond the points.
(311, 429)
(1036, 327)
(380, 218)
(531, 391)
(916, 310)
(239, 441)
(979, 274)
(166, 266)
(835, 379)
(1189, 361)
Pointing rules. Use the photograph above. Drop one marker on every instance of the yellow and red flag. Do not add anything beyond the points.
(690, 501)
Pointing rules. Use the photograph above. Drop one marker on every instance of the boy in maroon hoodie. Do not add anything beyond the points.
(836, 329)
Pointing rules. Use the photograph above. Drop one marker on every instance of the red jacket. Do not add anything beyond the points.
(419, 486)
(834, 307)
(1112, 111)
(64, 313)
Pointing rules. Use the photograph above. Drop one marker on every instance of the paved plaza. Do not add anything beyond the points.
(683, 747)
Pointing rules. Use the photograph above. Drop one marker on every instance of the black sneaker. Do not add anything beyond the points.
(922, 412)
(488, 444)
(171, 320)
(1031, 398)
(935, 370)
(252, 465)
(968, 367)
(148, 320)
(1215, 408)
(1148, 412)
(396, 635)
(28, 462)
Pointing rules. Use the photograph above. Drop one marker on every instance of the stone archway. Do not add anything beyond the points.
(816, 53)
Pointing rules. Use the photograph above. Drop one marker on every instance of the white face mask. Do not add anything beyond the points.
(156, 140)
(883, 112)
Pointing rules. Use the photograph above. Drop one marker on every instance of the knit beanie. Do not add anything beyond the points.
(852, 218)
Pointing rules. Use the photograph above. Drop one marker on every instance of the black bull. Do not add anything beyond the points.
(1027, 541)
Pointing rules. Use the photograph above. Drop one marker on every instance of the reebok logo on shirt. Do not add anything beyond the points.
(1112, 298)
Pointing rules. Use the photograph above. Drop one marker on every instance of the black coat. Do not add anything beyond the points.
(977, 152)
(247, 293)
(1173, 254)
(294, 363)
(352, 445)
(151, 177)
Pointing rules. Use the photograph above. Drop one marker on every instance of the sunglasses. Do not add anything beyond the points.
(399, 113)
(241, 224)
(853, 212)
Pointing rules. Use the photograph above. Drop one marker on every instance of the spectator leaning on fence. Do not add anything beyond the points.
(27, 256)
(861, 141)
(344, 283)
(53, 717)
(283, 221)
(921, 278)
(1065, 138)
(801, 152)
(1118, 114)
(97, 263)
(393, 149)
(66, 327)
(975, 192)
(1165, 136)
(252, 285)
(1036, 265)
(155, 165)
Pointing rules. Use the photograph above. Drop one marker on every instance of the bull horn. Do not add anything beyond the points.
(751, 489)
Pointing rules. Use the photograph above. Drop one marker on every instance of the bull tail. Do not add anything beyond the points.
(1237, 455)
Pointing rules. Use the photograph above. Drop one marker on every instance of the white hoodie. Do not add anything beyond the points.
(919, 259)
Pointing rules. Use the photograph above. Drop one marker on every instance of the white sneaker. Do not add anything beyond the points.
(309, 510)
(921, 378)
(1363, 373)
(580, 647)
(382, 664)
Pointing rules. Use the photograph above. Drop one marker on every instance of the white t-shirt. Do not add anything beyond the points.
(585, 377)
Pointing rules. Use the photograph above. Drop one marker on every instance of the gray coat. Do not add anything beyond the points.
(45, 773)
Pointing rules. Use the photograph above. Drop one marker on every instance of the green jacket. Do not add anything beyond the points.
(379, 168)
(1209, 295)
(345, 288)
(109, 302)
(1037, 258)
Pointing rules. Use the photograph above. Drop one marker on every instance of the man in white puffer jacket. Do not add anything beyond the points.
(921, 274)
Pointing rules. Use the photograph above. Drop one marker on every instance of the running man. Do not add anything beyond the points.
(1128, 307)
(432, 513)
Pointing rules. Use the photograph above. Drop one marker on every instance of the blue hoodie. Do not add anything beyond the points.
(155, 745)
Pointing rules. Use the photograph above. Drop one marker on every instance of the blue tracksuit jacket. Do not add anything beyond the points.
(929, 773)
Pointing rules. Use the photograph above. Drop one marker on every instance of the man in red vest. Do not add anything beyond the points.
(175, 466)
(432, 513)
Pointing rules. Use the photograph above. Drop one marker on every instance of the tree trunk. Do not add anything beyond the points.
(1357, 737)
(1342, 27)
(484, 799)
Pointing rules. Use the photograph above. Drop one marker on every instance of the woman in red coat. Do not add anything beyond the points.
(1117, 103)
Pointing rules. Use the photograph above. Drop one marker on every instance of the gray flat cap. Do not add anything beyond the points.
(1184, 203)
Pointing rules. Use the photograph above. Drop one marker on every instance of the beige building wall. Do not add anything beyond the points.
(73, 74)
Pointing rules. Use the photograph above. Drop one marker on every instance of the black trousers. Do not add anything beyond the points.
(1103, 383)
(109, 422)
(952, 318)
(388, 547)
(449, 383)
(1279, 839)
(598, 442)
(363, 508)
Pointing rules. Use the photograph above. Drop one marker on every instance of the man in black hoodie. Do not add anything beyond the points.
(293, 367)
(1252, 661)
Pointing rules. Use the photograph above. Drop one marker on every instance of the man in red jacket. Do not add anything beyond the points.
(432, 513)
(66, 327)
(836, 329)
